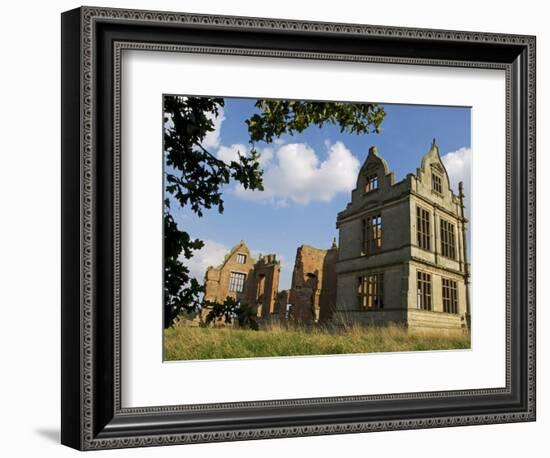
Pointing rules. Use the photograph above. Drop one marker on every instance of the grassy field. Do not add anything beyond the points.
(185, 343)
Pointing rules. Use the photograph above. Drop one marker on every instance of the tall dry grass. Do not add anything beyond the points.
(192, 343)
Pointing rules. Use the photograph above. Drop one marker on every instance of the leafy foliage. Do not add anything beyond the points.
(278, 117)
(232, 310)
(176, 274)
(200, 175)
(194, 177)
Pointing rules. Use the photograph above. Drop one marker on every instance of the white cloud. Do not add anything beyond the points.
(231, 153)
(212, 139)
(458, 164)
(211, 254)
(296, 174)
(266, 155)
(459, 168)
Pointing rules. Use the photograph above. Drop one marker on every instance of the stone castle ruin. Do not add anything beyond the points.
(401, 258)
(244, 279)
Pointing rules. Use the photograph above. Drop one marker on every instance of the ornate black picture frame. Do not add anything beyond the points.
(92, 42)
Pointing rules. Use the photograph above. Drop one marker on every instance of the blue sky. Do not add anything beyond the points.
(309, 176)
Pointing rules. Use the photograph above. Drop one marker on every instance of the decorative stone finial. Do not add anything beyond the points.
(373, 150)
(434, 147)
(334, 243)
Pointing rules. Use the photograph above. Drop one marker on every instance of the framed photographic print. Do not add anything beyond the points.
(278, 228)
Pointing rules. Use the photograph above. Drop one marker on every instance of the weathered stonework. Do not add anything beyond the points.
(281, 302)
(241, 277)
(391, 270)
(313, 291)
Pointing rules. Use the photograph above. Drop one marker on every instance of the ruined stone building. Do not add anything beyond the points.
(402, 248)
(312, 295)
(241, 277)
(313, 291)
(401, 258)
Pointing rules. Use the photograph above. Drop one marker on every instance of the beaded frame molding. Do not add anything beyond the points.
(92, 42)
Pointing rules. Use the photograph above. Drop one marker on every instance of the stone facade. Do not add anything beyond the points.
(402, 249)
(241, 277)
(313, 291)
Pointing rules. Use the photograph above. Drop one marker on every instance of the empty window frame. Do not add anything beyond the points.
(372, 183)
(372, 234)
(450, 295)
(424, 290)
(423, 228)
(436, 183)
(371, 291)
(448, 244)
(236, 282)
(241, 258)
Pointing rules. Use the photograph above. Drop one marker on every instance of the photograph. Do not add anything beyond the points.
(281, 222)
(311, 227)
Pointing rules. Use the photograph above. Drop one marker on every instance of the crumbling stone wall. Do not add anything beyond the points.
(313, 291)
(281, 302)
(327, 298)
(216, 279)
(264, 284)
(260, 284)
